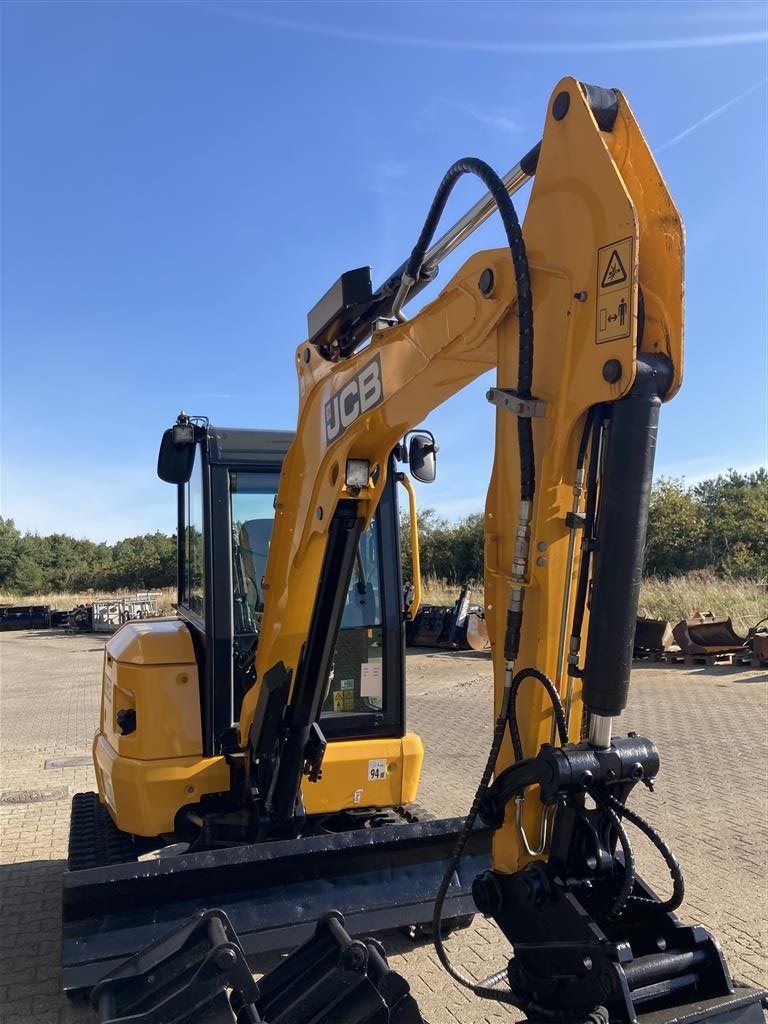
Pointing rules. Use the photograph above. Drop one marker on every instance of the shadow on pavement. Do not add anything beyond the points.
(739, 674)
(437, 652)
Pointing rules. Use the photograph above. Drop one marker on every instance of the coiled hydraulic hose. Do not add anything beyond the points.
(557, 706)
(412, 272)
(675, 871)
(507, 716)
(494, 184)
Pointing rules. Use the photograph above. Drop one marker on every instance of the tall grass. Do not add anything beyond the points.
(746, 601)
(66, 601)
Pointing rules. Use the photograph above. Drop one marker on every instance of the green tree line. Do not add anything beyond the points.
(720, 525)
(31, 564)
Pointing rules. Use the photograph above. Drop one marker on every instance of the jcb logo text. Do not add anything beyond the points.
(358, 395)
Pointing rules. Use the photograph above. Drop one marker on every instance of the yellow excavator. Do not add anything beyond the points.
(581, 316)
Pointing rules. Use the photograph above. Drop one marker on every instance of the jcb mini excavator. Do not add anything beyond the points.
(167, 759)
(581, 315)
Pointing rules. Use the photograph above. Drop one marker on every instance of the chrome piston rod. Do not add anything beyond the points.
(513, 181)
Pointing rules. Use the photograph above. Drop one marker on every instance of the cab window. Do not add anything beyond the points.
(356, 681)
(252, 496)
(193, 575)
(253, 512)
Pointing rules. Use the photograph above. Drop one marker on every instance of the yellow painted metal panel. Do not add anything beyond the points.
(150, 667)
(144, 797)
(366, 773)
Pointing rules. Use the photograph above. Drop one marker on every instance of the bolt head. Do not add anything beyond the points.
(486, 282)
(225, 958)
(561, 105)
(612, 371)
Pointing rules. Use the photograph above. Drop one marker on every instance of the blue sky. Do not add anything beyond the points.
(183, 180)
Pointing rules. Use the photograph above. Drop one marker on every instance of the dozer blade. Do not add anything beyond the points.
(273, 893)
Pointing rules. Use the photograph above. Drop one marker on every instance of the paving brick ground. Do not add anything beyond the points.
(711, 803)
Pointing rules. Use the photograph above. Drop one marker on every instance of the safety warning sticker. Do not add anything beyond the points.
(614, 291)
(343, 700)
(377, 769)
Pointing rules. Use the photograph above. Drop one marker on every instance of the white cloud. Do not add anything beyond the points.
(611, 46)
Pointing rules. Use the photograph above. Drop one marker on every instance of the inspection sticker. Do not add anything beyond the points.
(371, 680)
(377, 769)
(614, 291)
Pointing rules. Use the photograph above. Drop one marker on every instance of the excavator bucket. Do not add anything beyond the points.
(273, 893)
(477, 632)
(703, 633)
(651, 636)
(198, 973)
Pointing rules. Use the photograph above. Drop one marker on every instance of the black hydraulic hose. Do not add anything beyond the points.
(678, 881)
(586, 433)
(605, 801)
(487, 988)
(494, 184)
(413, 268)
(554, 696)
(483, 989)
(590, 513)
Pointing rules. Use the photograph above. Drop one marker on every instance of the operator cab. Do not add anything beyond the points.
(225, 518)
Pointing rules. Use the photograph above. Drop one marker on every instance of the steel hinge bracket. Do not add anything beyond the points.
(506, 398)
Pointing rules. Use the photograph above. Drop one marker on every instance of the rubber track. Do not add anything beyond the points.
(94, 839)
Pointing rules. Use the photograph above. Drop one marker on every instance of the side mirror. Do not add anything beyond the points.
(422, 457)
(177, 454)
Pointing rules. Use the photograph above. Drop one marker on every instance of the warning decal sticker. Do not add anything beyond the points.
(343, 700)
(614, 291)
(614, 272)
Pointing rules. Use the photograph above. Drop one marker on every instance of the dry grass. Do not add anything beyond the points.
(66, 601)
(435, 591)
(746, 601)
